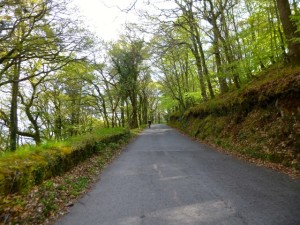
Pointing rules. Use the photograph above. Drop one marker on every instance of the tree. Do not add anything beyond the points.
(35, 31)
(32, 114)
(229, 41)
(196, 45)
(290, 31)
(127, 58)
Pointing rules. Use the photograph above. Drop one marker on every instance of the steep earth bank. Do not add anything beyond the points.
(260, 122)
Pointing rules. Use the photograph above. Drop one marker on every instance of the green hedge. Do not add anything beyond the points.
(28, 167)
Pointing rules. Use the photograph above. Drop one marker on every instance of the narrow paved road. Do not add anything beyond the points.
(165, 178)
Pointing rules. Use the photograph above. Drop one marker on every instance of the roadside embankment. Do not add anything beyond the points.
(73, 166)
(261, 121)
(31, 165)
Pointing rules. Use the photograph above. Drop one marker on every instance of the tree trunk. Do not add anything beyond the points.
(228, 51)
(140, 111)
(290, 31)
(14, 108)
(144, 108)
(127, 112)
(58, 127)
(123, 113)
(37, 135)
(195, 51)
(104, 112)
(284, 55)
(222, 80)
(134, 117)
(199, 70)
(205, 70)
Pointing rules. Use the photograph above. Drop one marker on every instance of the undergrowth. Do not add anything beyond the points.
(260, 121)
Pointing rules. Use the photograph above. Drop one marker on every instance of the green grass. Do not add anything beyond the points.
(79, 185)
(30, 165)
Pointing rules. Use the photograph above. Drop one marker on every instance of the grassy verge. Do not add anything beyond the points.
(32, 165)
(42, 203)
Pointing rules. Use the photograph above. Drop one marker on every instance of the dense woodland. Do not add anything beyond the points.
(58, 80)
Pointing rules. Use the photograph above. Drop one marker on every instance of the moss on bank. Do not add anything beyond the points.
(29, 166)
(43, 203)
(262, 120)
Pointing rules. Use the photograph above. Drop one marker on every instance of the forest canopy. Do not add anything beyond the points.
(57, 79)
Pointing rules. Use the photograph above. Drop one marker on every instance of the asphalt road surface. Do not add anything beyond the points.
(165, 178)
